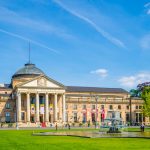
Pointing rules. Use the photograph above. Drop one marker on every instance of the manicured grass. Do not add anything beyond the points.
(23, 140)
(135, 129)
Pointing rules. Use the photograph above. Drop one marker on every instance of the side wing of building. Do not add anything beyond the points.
(7, 105)
(90, 104)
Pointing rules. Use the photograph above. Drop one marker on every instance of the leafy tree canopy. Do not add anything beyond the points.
(143, 91)
(145, 95)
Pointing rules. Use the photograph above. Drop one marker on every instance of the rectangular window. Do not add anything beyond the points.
(127, 117)
(140, 117)
(109, 114)
(41, 99)
(84, 119)
(7, 114)
(84, 107)
(32, 100)
(143, 119)
(22, 115)
(22, 103)
(127, 107)
(120, 115)
(119, 106)
(102, 107)
(93, 106)
(66, 117)
(7, 105)
(137, 117)
(66, 106)
(136, 107)
(75, 107)
(7, 117)
(113, 115)
(93, 117)
(32, 119)
(110, 107)
(75, 117)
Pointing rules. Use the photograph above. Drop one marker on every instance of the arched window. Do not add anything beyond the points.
(102, 106)
(127, 107)
(119, 106)
(110, 107)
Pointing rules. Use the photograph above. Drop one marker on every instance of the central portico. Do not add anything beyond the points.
(38, 98)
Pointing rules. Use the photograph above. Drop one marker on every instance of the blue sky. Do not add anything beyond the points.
(104, 43)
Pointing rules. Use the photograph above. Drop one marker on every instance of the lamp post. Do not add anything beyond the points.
(96, 99)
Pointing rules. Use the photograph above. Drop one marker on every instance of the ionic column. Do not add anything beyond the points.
(55, 107)
(37, 107)
(46, 109)
(18, 107)
(64, 108)
(28, 107)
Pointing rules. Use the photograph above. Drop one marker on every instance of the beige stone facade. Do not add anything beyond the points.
(32, 99)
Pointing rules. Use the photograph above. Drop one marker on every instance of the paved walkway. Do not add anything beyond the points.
(60, 128)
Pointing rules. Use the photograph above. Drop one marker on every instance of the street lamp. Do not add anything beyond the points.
(96, 99)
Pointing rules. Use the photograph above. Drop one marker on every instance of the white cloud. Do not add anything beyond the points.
(133, 80)
(148, 11)
(101, 72)
(147, 4)
(147, 7)
(145, 42)
(105, 34)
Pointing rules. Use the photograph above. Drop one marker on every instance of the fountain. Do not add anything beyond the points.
(115, 122)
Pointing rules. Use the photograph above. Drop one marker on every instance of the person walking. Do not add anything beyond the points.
(142, 127)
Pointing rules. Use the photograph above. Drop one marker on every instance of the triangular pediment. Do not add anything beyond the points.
(42, 81)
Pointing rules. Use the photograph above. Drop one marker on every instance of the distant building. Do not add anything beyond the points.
(33, 98)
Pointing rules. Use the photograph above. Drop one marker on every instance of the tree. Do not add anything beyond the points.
(145, 95)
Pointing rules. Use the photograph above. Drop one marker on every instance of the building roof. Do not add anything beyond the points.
(95, 89)
(29, 69)
(136, 98)
(5, 95)
(5, 87)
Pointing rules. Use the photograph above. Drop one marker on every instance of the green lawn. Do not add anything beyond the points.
(23, 139)
(135, 129)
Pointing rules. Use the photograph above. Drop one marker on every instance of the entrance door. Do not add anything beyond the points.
(41, 119)
(93, 117)
(32, 119)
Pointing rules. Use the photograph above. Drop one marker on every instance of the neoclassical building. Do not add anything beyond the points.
(33, 98)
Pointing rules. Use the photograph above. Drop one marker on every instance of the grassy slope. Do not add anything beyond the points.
(24, 140)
